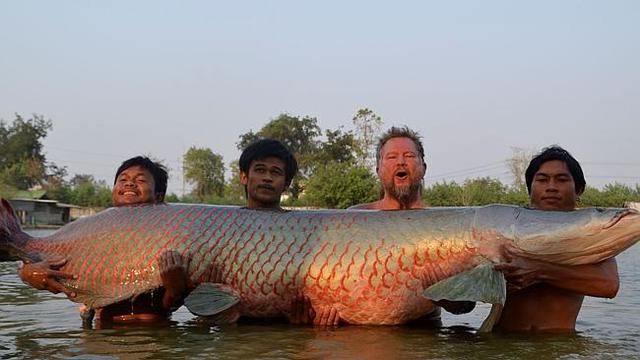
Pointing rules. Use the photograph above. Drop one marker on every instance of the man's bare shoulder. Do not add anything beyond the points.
(376, 205)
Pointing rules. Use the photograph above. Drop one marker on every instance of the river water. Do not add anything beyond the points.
(39, 325)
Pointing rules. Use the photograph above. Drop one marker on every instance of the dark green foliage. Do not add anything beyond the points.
(204, 169)
(474, 192)
(482, 191)
(340, 147)
(234, 190)
(443, 194)
(86, 191)
(612, 195)
(22, 162)
(172, 198)
(340, 185)
(299, 135)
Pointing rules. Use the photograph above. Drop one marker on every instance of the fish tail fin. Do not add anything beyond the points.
(12, 238)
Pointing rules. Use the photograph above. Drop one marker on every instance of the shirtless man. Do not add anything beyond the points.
(401, 169)
(266, 170)
(138, 181)
(543, 296)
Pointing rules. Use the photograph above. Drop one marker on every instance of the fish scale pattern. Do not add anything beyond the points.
(371, 267)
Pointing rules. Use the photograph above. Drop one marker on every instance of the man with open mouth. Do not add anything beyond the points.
(401, 168)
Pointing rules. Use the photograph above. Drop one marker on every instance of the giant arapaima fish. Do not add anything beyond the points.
(371, 267)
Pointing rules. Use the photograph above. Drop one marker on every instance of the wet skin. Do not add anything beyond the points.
(401, 170)
(543, 296)
(134, 186)
(265, 182)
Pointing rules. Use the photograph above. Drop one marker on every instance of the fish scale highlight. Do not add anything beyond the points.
(371, 267)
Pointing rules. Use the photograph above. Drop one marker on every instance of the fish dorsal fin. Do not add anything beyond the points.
(482, 283)
(209, 299)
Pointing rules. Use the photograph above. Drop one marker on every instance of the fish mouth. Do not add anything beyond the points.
(619, 216)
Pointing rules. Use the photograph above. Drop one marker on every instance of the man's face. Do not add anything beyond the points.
(401, 168)
(265, 182)
(553, 188)
(134, 185)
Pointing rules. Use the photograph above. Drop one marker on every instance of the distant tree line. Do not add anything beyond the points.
(336, 170)
(483, 191)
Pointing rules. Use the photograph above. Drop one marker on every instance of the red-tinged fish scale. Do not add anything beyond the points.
(346, 261)
(207, 248)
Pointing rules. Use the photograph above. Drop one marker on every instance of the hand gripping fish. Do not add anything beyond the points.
(371, 267)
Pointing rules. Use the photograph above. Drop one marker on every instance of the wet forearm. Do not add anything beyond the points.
(600, 280)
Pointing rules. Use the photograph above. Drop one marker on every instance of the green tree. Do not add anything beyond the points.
(612, 195)
(86, 191)
(340, 185)
(340, 147)
(172, 198)
(516, 196)
(56, 186)
(482, 191)
(204, 169)
(234, 190)
(300, 135)
(22, 162)
(368, 125)
(443, 194)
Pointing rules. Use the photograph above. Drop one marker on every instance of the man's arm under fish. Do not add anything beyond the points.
(600, 280)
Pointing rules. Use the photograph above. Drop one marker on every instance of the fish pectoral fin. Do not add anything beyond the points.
(482, 283)
(209, 299)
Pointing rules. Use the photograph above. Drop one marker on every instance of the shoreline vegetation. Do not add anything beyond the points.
(336, 170)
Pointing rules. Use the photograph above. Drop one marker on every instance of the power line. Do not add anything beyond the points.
(612, 163)
(492, 165)
(459, 174)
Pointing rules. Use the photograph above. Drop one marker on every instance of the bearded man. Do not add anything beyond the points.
(401, 167)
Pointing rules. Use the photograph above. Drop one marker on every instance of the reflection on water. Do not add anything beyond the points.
(37, 324)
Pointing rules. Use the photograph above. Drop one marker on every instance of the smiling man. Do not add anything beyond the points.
(543, 296)
(138, 181)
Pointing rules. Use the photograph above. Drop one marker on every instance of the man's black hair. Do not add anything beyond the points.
(265, 148)
(157, 170)
(555, 152)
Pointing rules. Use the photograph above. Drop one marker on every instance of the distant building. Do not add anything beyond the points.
(35, 209)
(634, 205)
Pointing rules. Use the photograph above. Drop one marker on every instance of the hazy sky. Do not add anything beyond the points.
(475, 78)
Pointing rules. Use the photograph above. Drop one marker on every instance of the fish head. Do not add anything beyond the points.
(576, 237)
(618, 228)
